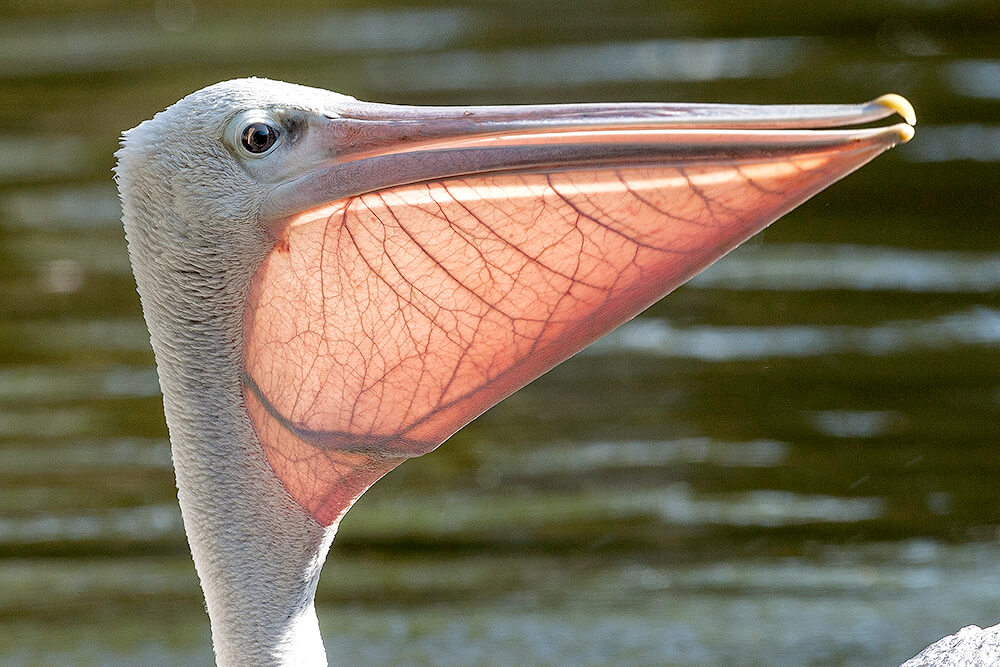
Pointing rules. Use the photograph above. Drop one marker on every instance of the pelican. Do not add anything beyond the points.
(333, 286)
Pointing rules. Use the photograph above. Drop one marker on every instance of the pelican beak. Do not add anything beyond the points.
(434, 260)
(369, 147)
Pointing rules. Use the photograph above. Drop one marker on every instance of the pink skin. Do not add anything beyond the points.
(386, 319)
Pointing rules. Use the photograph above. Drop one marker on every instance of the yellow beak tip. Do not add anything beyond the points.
(900, 105)
(905, 132)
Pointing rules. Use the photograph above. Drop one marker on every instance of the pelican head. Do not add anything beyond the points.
(333, 286)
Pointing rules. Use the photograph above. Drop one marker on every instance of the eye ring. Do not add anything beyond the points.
(254, 134)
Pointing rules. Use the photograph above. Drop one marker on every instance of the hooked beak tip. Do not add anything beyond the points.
(900, 105)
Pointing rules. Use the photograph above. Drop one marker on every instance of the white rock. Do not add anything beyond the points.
(971, 646)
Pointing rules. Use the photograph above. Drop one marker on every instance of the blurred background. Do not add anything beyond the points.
(792, 460)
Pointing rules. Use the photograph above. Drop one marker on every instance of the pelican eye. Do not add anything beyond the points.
(254, 133)
(258, 137)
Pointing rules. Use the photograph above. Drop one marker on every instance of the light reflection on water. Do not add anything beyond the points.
(577, 457)
(946, 143)
(27, 157)
(853, 423)
(661, 60)
(975, 78)
(658, 337)
(133, 523)
(790, 461)
(129, 40)
(100, 454)
(34, 383)
(831, 267)
(60, 208)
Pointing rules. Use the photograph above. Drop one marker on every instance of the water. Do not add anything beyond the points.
(792, 460)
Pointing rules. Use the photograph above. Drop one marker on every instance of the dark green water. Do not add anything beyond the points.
(792, 460)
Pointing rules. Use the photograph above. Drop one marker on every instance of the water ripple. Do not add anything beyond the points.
(975, 78)
(125, 42)
(805, 267)
(100, 454)
(71, 208)
(946, 143)
(568, 65)
(577, 457)
(132, 523)
(678, 504)
(977, 326)
(32, 157)
(45, 384)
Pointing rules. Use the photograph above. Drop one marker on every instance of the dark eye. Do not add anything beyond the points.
(258, 137)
